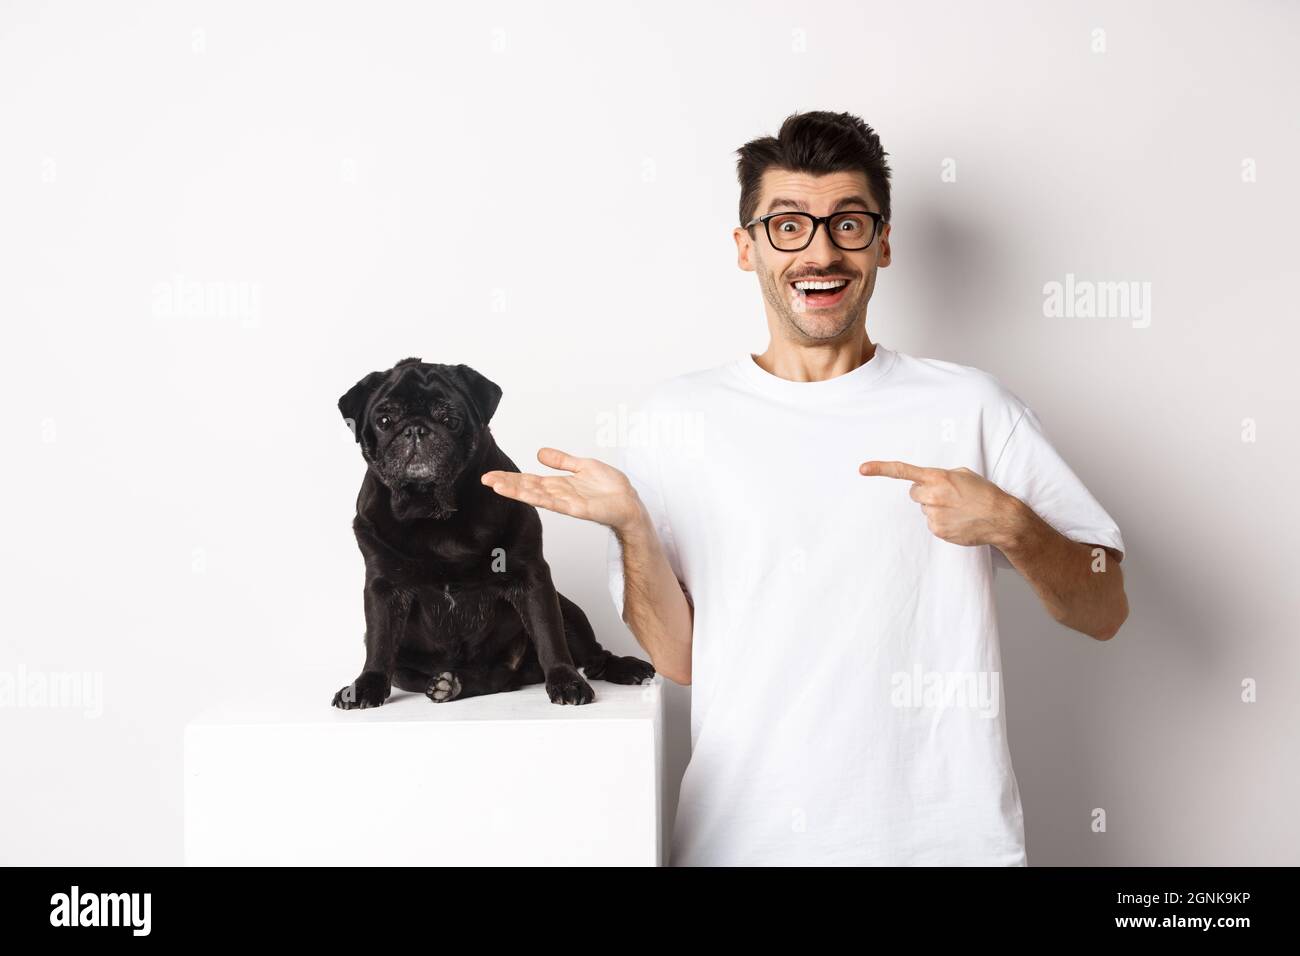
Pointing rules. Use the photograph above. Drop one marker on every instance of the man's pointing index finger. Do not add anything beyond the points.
(893, 469)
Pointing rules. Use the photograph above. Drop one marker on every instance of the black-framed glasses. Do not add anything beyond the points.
(851, 231)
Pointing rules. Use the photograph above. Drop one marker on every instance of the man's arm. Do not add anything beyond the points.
(1081, 588)
(1083, 591)
(654, 605)
(655, 608)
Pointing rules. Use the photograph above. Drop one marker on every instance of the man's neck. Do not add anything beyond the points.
(815, 363)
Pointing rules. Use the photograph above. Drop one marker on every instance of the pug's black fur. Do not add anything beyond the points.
(459, 600)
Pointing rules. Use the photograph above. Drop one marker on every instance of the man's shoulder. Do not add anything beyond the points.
(968, 381)
(688, 389)
(668, 418)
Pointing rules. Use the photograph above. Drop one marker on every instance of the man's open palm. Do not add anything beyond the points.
(594, 491)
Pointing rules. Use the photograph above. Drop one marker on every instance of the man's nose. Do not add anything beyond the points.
(822, 249)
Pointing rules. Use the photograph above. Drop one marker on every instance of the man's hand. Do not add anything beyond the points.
(964, 508)
(654, 602)
(594, 492)
(960, 506)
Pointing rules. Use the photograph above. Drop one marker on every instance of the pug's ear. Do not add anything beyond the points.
(482, 391)
(353, 404)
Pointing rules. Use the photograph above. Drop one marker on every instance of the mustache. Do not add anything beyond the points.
(824, 275)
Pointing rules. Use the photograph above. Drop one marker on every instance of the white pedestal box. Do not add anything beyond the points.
(503, 779)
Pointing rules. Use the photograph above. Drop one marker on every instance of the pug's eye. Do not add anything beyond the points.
(383, 421)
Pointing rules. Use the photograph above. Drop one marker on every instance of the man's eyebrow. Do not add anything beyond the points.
(803, 206)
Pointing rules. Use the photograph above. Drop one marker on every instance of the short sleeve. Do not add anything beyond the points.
(1031, 469)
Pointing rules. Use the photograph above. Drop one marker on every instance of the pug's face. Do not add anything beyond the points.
(419, 426)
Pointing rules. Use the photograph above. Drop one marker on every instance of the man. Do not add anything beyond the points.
(808, 537)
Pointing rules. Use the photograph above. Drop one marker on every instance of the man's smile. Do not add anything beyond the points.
(822, 292)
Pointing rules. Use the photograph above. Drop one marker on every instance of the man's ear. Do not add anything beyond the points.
(482, 391)
(353, 403)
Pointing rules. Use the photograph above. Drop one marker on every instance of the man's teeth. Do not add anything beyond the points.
(813, 285)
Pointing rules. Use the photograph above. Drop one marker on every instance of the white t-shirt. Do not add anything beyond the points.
(846, 703)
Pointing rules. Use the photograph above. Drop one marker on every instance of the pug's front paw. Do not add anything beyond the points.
(564, 685)
(369, 690)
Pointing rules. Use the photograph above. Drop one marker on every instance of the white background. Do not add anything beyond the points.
(546, 192)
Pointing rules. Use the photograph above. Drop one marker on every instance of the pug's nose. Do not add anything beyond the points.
(416, 431)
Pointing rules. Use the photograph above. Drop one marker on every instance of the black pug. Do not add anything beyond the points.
(459, 600)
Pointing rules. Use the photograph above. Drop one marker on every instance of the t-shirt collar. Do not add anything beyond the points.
(861, 377)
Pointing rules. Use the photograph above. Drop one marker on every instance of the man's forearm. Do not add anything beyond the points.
(1062, 573)
(654, 605)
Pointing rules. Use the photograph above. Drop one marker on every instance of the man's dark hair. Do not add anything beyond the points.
(818, 143)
